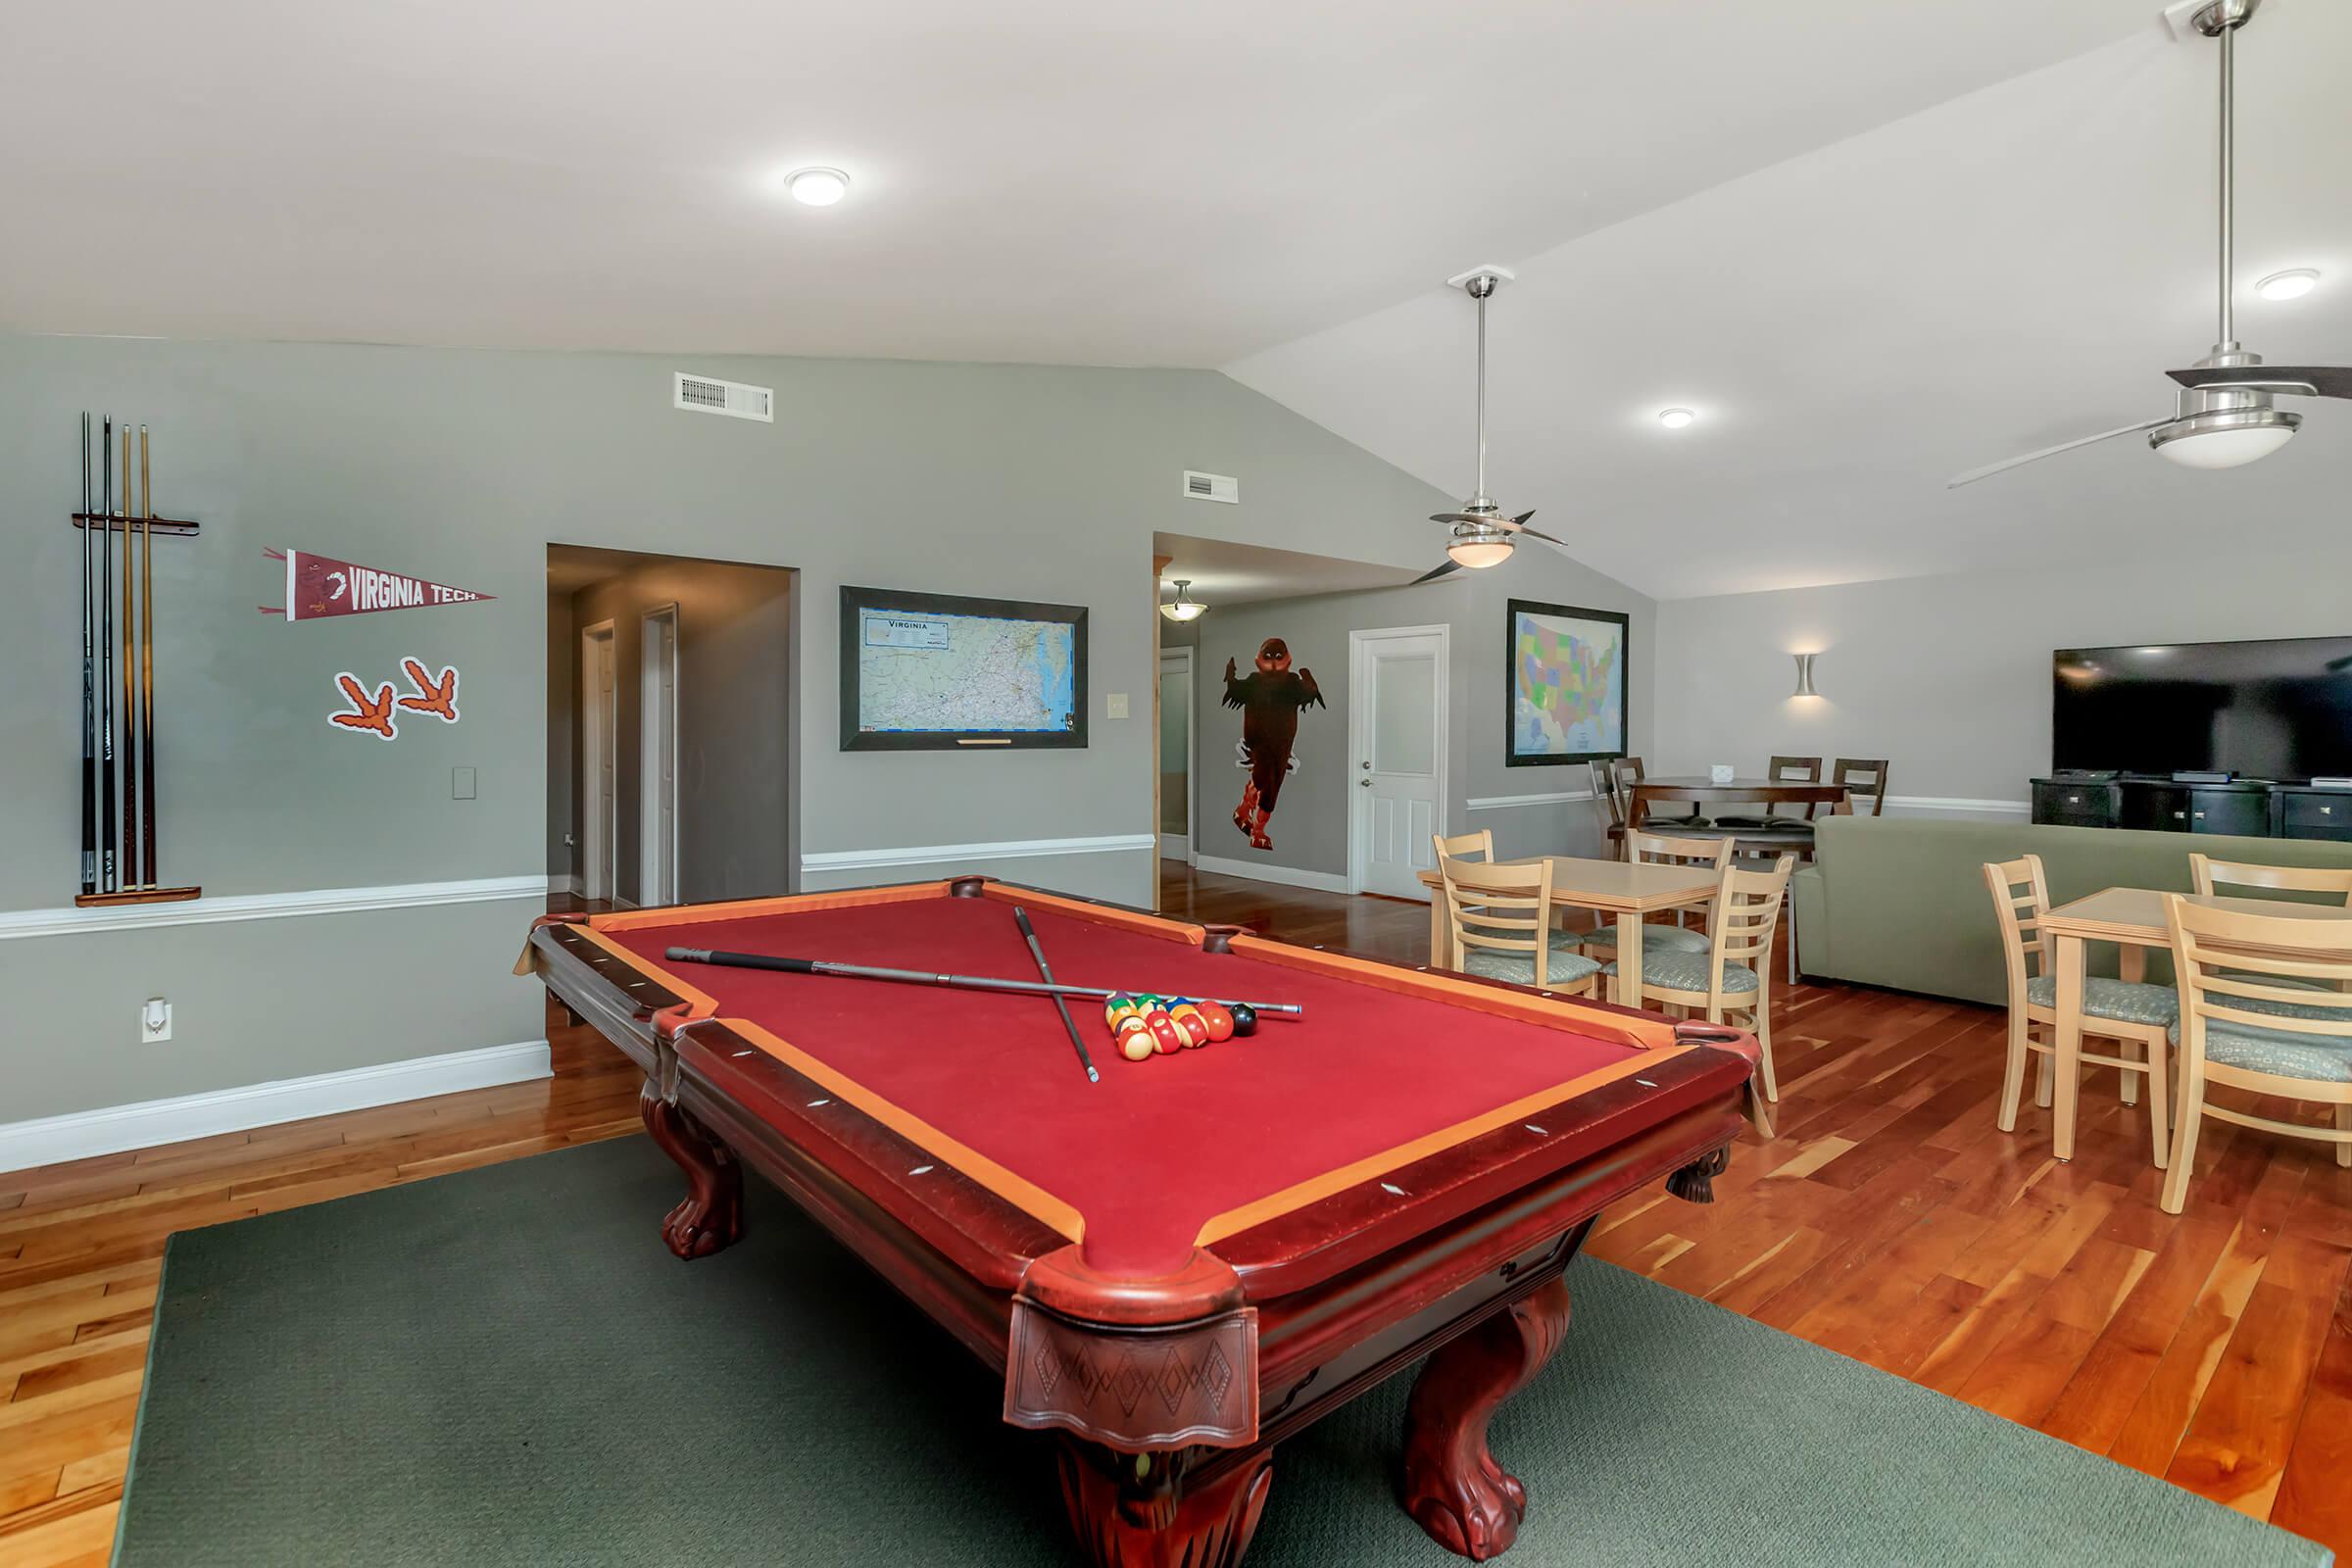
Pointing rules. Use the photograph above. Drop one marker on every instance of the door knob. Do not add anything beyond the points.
(1366, 764)
(1363, 783)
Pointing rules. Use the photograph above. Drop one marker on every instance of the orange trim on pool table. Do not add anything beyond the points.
(1025, 1196)
(1317, 1188)
(702, 1003)
(1557, 1012)
(753, 908)
(1151, 925)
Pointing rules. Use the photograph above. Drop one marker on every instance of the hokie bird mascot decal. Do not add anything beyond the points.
(1269, 699)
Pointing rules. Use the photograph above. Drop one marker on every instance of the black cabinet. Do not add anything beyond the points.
(2162, 805)
(2074, 805)
(2314, 815)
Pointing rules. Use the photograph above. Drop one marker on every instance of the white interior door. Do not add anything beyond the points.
(657, 767)
(1176, 754)
(598, 726)
(1396, 727)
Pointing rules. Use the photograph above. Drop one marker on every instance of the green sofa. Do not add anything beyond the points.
(1901, 901)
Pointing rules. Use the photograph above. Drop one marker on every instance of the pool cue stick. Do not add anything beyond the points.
(89, 686)
(146, 665)
(1021, 918)
(107, 869)
(129, 861)
(921, 977)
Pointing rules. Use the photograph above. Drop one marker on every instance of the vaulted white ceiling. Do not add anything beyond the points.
(1872, 242)
(1042, 180)
(1856, 324)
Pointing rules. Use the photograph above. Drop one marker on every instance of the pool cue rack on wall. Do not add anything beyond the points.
(121, 752)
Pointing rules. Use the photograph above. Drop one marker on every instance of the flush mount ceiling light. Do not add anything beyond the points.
(1677, 419)
(1184, 607)
(2292, 284)
(816, 187)
(2223, 415)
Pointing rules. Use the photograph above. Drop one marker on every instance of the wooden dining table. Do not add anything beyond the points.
(1701, 790)
(2133, 920)
(1630, 891)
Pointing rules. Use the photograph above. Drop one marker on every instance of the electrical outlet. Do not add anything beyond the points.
(155, 1021)
(1114, 705)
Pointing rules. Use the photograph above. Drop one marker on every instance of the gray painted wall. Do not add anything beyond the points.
(460, 465)
(734, 735)
(1310, 827)
(1949, 677)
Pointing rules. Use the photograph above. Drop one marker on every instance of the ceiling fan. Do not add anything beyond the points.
(2223, 415)
(1480, 535)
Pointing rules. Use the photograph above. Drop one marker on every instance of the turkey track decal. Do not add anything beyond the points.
(378, 713)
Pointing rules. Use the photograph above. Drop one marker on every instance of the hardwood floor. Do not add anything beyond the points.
(1889, 1220)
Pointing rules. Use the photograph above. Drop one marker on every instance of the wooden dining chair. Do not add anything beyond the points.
(2248, 1020)
(1604, 790)
(1865, 777)
(1667, 849)
(1783, 771)
(1477, 846)
(1499, 920)
(2133, 1014)
(1626, 773)
(1733, 974)
(2209, 876)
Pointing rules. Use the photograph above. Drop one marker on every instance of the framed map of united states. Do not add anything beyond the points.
(941, 673)
(1566, 670)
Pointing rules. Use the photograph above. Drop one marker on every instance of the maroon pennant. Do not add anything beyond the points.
(318, 586)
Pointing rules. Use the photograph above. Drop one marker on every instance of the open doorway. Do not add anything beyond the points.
(671, 715)
(1178, 803)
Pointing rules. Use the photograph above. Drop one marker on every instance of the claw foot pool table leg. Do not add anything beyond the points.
(710, 1218)
(1146, 1512)
(1452, 1486)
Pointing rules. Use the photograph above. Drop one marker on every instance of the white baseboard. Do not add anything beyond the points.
(959, 854)
(563, 882)
(1175, 847)
(1290, 876)
(80, 1134)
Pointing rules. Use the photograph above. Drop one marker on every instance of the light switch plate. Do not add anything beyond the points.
(1114, 705)
(461, 783)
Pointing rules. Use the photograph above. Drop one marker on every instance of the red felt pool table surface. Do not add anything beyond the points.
(1162, 1155)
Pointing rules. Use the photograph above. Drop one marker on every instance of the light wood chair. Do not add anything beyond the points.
(2123, 1010)
(1733, 974)
(1466, 846)
(1865, 777)
(2209, 876)
(2255, 1015)
(1668, 848)
(1498, 918)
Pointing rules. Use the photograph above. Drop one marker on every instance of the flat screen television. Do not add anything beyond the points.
(2278, 710)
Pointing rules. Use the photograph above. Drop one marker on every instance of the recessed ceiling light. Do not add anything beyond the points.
(817, 187)
(2292, 284)
(1676, 419)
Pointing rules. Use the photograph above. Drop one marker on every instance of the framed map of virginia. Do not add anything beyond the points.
(1565, 671)
(940, 672)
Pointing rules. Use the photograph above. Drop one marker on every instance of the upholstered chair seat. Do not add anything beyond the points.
(1687, 971)
(1655, 939)
(2124, 1001)
(2319, 1059)
(1563, 967)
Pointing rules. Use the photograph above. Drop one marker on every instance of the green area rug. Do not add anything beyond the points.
(505, 1367)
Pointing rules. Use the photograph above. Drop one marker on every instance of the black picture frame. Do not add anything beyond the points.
(1512, 756)
(854, 737)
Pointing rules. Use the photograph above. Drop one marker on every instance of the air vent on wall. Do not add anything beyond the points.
(1212, 487)
(703, 395)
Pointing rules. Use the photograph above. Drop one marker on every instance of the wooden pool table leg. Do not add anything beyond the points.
(1452, 1486)
(710, 1218)
(1161, 1518)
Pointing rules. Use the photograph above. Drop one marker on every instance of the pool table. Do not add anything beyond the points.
(1179, 1265)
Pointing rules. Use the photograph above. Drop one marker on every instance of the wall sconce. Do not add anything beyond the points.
(1804, 676)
